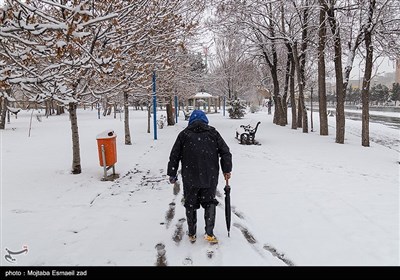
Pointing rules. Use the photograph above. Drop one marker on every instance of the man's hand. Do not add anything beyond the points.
(172, 179)
(227, 176)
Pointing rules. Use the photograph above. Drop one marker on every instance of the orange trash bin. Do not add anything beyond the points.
(107, 139)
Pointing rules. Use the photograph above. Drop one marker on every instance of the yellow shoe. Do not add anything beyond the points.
(210, 239)
(192, 238)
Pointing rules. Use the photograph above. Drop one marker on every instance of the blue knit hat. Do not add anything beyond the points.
(198, 115)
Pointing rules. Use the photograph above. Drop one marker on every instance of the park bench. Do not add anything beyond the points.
(186, 114)
(246, 134)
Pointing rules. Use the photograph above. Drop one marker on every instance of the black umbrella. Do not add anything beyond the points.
(227, 190)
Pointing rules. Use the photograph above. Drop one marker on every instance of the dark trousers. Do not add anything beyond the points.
(205, 197)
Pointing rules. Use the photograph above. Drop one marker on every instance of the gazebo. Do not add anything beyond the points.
(204, 100)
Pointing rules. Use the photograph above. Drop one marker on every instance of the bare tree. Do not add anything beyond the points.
(235, 73)
(300, 62)
(329, 8)
(255, 22)
(323, 119)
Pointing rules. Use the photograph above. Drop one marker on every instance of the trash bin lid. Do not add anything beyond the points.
(106, 134)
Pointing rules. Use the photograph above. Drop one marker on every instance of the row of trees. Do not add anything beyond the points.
(379, 95)
(66, 53)
(292, 46)
(84, 52)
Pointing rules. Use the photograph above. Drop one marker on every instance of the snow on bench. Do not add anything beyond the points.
(186, 114)
(246, 134)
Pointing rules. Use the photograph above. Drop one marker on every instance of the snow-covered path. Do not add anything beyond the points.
(298, 199)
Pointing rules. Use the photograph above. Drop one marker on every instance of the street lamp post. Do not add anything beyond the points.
(176, 109)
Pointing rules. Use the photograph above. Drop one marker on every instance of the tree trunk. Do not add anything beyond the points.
(126, 120)
(286, 86)
(289, 62)
(299, 113)
(367, 76)
(340, 90)
(47, 108)
(302, 115)
(292, 96)
(3, 111)
(323, 117)
(365, 95)
(273, 66)
(76, 158)
(104, 109)
(278, 112)
(170, 113)
(302, 62)
(59, 109)
(148, 117)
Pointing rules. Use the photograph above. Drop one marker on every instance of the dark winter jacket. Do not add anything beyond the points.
(199, 147)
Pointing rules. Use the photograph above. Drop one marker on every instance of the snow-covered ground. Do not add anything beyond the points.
(297, 199)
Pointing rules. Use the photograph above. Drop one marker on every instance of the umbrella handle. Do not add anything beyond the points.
(227, 181)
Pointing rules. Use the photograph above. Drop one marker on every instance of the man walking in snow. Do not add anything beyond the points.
(199, 148)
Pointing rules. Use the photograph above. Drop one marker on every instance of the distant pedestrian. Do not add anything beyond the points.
(201, 150)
